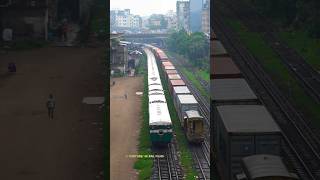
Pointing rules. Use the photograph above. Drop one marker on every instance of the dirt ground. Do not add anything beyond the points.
(34, 147)
(125, 118)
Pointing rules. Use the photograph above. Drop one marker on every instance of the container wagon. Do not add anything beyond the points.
(243, 130)
(223, 67)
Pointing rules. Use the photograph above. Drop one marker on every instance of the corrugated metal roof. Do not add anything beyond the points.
(177, 82)
(187, 99)
(174, 76)
(247, 119)
(263, 165)
(231, 89)
(181, 90)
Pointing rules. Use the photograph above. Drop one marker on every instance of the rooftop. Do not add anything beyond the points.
(247, 119)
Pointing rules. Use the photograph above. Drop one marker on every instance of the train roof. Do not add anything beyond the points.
(231, 89)
(169, 68)
(265, 165)
(187, 99)
(177, 82)
(174, 76)
(223, 67)
(181, 90)
(247, 119)
(217, 48)
(193, 114)
(158, 112)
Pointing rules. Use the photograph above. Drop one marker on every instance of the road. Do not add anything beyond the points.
(34, 147)
(125, 118)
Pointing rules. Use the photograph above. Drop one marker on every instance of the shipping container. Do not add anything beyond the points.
(165, 63)
(223, 67)
(240, 131)
(174, 76)
(186, 103)
(178, 90)
(169, 72)
(174, 83)
(218, 49)
(169, 68)
(231, 91)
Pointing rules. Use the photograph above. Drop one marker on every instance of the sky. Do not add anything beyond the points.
(144, 7)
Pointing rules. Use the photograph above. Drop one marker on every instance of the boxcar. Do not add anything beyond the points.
(223, 67)
(178, 90)
(173, 83)
(218, 49)
(174, 76)
(190, 119)
(243, 130)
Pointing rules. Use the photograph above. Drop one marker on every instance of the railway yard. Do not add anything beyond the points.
(299, 147)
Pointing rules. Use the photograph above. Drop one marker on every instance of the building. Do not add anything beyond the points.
(118, 55)
(171, 18)
(195, 15)
(123, 19)
(36, 18)
(183, 15)
(205, 17)
(264, 167)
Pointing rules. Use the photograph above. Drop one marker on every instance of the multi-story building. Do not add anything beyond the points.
(123, 19)
(205, 19)
(195, 15)
(171, 19)
(183, 15)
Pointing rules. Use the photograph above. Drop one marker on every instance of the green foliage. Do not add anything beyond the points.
(297, 13)
(194, 46)
(279, 73)
(305, 45)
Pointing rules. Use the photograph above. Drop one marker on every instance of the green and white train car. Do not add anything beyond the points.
(159, 120)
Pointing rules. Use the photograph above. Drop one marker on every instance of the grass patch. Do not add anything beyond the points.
(306, 46)
(141, 68)
(202, 73)
(144, 165)
(205, 75)
(278, 71)
(185, 153)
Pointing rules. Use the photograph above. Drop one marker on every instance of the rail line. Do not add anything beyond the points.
(166, 164)
(301, 141)
(306, 75)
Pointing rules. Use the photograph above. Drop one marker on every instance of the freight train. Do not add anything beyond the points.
(243, 126)
(185, 103)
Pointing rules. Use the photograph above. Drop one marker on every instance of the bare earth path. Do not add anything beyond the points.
(34, 147)
(125, 118)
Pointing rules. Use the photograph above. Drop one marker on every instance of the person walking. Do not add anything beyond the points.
(51, 105)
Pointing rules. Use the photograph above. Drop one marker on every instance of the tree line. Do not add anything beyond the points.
(194, 46)
(303, 14)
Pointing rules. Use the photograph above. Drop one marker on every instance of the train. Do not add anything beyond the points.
(242, 125)
(185, 103)
(160, 125)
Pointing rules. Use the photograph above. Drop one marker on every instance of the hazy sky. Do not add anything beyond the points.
(144, 7)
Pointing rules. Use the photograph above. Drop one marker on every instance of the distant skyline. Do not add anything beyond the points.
(144, 7)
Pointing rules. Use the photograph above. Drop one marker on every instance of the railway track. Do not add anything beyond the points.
(201, 155)
(166, 164)
(307, 76)
(301, 142)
